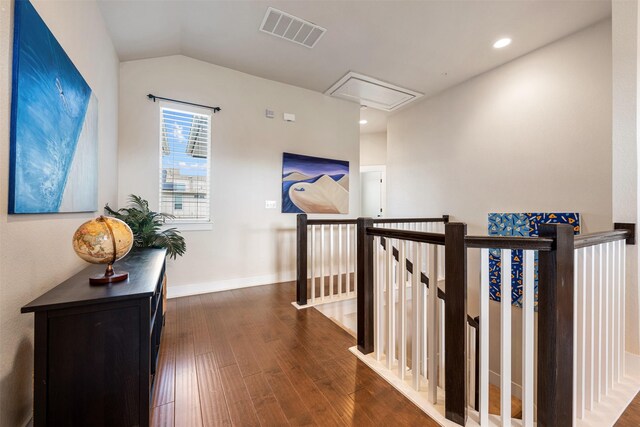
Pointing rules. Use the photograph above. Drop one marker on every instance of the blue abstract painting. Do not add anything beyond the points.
(54, 124)
(314, 185)
(524, 225)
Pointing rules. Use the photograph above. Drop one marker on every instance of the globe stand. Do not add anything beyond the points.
(109, 276)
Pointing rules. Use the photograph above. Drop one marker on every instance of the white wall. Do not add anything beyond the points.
(248, 244)
(373, 149)
(626, 55)
(532, 135)
(35, 250)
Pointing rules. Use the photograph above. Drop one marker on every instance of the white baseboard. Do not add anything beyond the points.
(516, 389)
(228, 284)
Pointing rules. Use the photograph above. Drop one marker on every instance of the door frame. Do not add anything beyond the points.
(383, 198)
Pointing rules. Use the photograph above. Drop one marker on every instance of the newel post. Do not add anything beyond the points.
(365, 286)
(301, 259)
(455, 326)
(555, 327)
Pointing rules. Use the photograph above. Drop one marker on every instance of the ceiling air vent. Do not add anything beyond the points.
(372, 92)
(288, 27)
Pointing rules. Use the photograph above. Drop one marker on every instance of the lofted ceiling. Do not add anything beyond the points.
(426, 46)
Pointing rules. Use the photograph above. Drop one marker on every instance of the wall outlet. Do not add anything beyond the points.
(289, 117)
(269, 114)
(270, 204)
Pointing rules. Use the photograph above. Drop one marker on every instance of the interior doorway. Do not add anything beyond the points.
(373, 191)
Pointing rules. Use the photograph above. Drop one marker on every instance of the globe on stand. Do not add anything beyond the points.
(103, 240)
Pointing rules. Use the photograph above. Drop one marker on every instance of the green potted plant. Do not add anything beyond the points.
(146, 226)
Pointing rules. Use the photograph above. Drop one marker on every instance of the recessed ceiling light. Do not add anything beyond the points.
(502, 43)
(363, 122)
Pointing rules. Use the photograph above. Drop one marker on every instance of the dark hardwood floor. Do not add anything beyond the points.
(247, 358)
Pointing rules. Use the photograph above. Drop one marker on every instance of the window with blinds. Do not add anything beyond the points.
(185, 145)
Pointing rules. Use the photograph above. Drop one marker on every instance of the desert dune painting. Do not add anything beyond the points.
(314, 185)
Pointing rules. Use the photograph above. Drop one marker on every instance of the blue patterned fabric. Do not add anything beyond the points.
(525, 225)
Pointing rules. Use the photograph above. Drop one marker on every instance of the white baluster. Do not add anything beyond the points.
(322, 263)
(505, 339)
(614, 314)
(484, 338)
(599, 315)
(440, 341)
(591, 331)
(377, 300)
(331, 261)
(528, 329)
(416, 312)
(607, 317)
(612, 332)
(402, 286)
(579, 308)
(432, 324)
(623, 280)
(391, 339)
(348, 259)
(472, 365)
(340, 290)
(355, 260)
(313, 262)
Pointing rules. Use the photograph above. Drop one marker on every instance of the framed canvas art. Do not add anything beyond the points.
(54, 124)
(524, 225)
(314, 185)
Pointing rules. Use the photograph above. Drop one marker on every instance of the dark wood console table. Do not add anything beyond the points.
(96, 347)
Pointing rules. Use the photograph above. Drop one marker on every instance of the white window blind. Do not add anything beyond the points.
(185, 146)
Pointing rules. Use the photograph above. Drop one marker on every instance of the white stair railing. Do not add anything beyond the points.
(407, 313)
(599, 309)
(326, 256)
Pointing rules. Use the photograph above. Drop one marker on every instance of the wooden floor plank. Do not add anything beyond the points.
(164, 382)
(290, 402)
(163, 416)
(212, 399)
(187, 395)
(201, 336)
(238, 400)
(631, 416)
(267, 407)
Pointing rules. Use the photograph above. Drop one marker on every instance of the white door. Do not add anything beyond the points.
(371, 191)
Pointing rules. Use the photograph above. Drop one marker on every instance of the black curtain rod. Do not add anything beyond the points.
(153, 97)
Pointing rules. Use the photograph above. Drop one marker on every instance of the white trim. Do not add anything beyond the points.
(436, 412)
(328, 300)
(228, 284)
(188, 226)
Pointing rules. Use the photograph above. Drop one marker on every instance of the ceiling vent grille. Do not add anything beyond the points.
(372, 92)
(288, 27)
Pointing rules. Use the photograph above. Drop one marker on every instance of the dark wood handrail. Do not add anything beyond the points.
(331, 221)
(414, 236)
(593, 239)
(444, 219)
(499, 242)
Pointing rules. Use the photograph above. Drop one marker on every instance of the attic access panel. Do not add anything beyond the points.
(372, 92)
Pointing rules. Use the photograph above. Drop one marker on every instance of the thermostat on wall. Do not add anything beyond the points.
(289, 117)
(269, 114)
